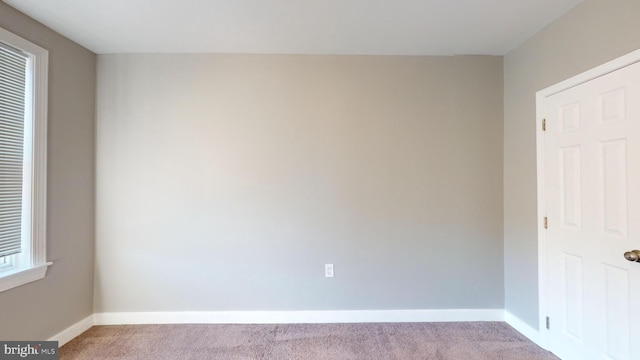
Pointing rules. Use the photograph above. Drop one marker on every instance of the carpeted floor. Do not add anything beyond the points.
(406, 341)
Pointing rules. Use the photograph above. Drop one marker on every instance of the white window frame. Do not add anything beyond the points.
(31, 264)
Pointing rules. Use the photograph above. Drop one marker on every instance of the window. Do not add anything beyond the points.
(23, 152)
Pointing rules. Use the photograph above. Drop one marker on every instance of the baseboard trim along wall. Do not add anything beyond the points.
(297, 317)
(72, 331)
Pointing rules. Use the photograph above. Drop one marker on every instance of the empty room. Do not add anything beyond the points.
(412, 179)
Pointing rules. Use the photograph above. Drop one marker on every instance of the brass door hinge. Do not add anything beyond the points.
(548, 327)
(544, 124)
(546, 222)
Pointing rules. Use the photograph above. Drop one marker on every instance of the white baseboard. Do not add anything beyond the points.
(297, 317)
(524, 328)
(72, 331)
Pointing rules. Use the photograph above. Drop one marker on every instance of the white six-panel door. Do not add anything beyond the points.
(592, 202)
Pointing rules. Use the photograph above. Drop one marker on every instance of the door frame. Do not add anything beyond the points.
(609, 67)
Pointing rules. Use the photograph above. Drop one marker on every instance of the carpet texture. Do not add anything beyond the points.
(468, 341)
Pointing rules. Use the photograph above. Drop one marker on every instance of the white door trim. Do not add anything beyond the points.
(617, 64)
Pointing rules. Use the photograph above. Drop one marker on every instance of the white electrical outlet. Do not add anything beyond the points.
(328, 270)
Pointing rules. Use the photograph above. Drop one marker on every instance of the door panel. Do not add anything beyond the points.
(613, 186)
(573, 295)
(570, 185)
(616, 283)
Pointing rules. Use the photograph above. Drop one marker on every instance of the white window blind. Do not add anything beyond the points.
(13, 65)
(23, 161)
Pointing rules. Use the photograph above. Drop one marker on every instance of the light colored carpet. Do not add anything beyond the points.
(406, 341)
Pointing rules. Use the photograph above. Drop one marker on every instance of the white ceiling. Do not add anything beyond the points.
(377, 27)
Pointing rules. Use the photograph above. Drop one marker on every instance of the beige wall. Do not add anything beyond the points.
(43, 308)
(593, 33)
(226, 182)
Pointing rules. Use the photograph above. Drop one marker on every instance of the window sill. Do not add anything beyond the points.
(23, 276)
